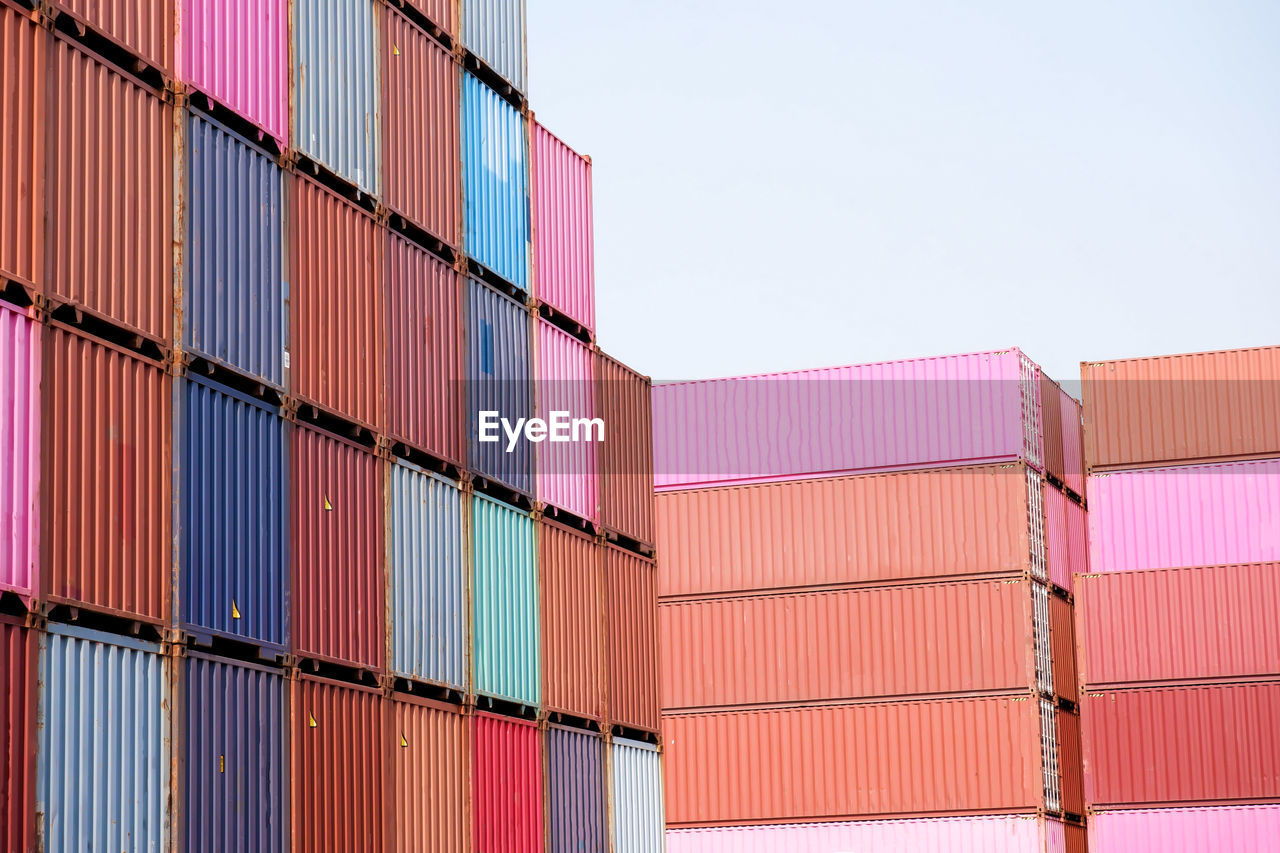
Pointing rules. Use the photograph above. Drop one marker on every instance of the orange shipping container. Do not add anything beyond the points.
(631, 626)
(1062, 639)
(23, 71)
(427, 751)
(626, 455)
(1071, 760)
(572, 601)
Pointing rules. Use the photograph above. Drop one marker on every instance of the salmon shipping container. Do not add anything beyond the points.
(499, 375)
(427, 751)
(1063, 421)
(626, 454)
(1235, 829)
(631, 631)
(565, 397)
(443, 14)
(495, 175)
(635, 796)
(506, 785)
(563, 236)
(575, 790)
(506, 661)
(18, 731)
(21, 343)
(571, 594)
(494, 30)
(23, 75)
(142, 27)
(1066, 537)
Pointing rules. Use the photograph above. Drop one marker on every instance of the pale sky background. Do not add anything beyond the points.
(816, 182)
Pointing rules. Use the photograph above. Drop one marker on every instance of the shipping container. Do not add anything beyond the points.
(427, 752)
(237, 53)
(1063, 436)
(951, 410)
(104, 754)
(1071, 762)
(506, 659)
(866, 529)
(571, 594)
(563, 229)
(336, 782)
(494, 30)
(422, 142)
(495, 174)
(1062, 637)
(565, 394)
(231, 762)
(233, 295)
(424, 351)
(442, 13)
(506, 786)
(336, 119)
(144, 28)
(23, 75)
(575, 791)
(233, 516)
(1235, 829)
(1200, 515)
(106, 478)
(631, 632)
(635, 797)
(1214, 623)
(863, 760)
(1181, 745)
(21, 350)
(1066, 537)
(499, 375)
(18, 730)
(426, 577)
(336, 548)
(1182, 408)
(110, 193)
(626, 454)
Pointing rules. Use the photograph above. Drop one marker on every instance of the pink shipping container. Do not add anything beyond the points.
(950, 410)
(1232, 829)
(1066, 533)
(20, 355)
(506, 779)
(563, 240)
(1199, 515)
(566, 470)
(237, 53)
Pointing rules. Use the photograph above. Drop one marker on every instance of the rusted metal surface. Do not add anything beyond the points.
(24, 48)
(631, 629)
(571, 593)
(626, 455)
(142, 27)
(18, 730)
(427, 750)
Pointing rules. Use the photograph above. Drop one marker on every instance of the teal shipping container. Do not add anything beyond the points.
(506, 658)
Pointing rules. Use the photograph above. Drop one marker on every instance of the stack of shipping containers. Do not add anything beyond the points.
(866, 608)
(262, 587)
(1179, 640)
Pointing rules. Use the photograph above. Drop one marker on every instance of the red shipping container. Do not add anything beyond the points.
(142, 27)
(1062, 639)
(336, 548)
(18, 728)
(571, 592)
(1071, 761)
(336, 779)
(442, 13)
(506, 780)
(626, 454)
(631, 628)
(24, 48)
(427, 767)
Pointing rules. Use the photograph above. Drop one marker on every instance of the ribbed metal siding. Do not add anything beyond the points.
(506, 786)
(233, 535)
(335, 88)
(575, 791)
(1035, 523)
(18, 664)
(427, 753)
(104, 743)
(20, 357)
(494, 30)
(499, 379)
(495, 175)
(1040, 627)
(1049, 756)
(233, 296)
(1062, 639)
(637, 820)
(571, 595)
(623, 399)
(631, 626)
(1237, 829)
(507, 659)
(563, 231)
(24, 66)
(231, 758)
(1071, 762)
(566, 471)
(426, 574)
(143, 27)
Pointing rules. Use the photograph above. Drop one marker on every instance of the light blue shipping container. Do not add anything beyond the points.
(495, 178)
(499, 378)
(427, 582)
(234, 289)
(103, 763)
(335, 93)
(636, 776)
(506, 656)
(494, 30)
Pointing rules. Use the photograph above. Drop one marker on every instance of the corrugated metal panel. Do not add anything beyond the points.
(110, 186)
(1240, 829)
(506, 786)
(420, 128)
(1182, 744)
(951, 410)
(626, 456)
(106, 478)
(865, 529)
(231, 758)
(631, 629)
(1073, 468)
(442, 13)
(1062, 634)
(1071, 762)
(424, 350)
(23, 75)
(233, 296)
(1050, 756)
(237, 52)
(336, 547)
(1202, 515)
(495, 174)
(336, 295)
(1042, 648)
(854, 761)
(1180, 624)
(1182, 408)
(636, 819)
(336, 783)
(104, 743)
(575, 791)
(233, 543)
(427, 748)
(567, 470)
(571, 592)
(848, 644)
(426, 575)
(143, 27)
(21, 344)
(335, 88)
(494, 30)
(563, 228)
(499, 379)
(1065, 537)
(18, 730)
(506, 658)
(1051, 417)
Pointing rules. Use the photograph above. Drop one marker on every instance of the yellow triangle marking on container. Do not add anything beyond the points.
(403, 743)
(395, 50)
(235, 611)
(328, 507)
(311, 720)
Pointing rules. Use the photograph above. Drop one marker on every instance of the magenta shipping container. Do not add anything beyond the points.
(19, 452)
(952, 410)
(566, 470)
(1232, 829)
(1199, 515)
(563, 243)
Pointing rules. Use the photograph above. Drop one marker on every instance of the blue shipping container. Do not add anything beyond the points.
(495, 178)
(103, 763)
(232, 757)
(233, 535)
(499, 379)
(234, 289)
(507, 658)
(576, 791)
(494, 30)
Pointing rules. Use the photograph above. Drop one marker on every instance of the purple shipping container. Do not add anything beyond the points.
(1234, 829)
(563, 241)
(19, 452)
(575, 789)
(567, 470)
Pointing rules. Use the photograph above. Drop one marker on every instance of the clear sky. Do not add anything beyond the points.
(816, 182)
